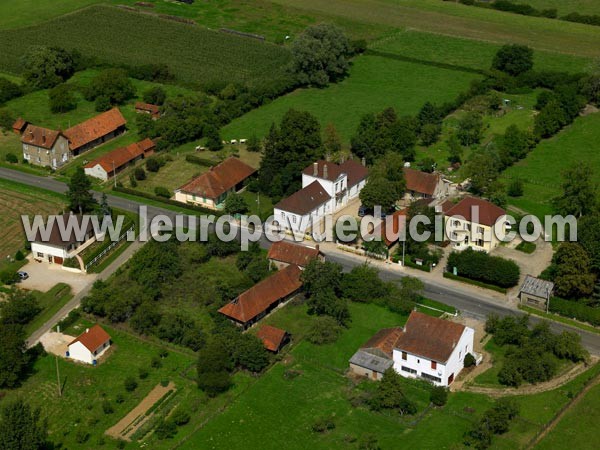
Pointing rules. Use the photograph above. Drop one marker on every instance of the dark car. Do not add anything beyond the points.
(363, 211)
(22, 275)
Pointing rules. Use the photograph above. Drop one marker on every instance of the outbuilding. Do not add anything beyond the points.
(90, 345)
(536, 292)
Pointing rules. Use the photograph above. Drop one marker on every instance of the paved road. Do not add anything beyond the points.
(470, 304)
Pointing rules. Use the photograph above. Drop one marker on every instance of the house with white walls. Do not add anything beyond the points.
(426, 347)
(89, 346)
(326, 188)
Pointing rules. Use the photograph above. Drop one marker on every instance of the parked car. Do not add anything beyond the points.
(363, 211)
(22, 275)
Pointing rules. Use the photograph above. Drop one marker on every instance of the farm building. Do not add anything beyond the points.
(427, 347)
(95, 131)
(326, 188)
(536, 292)
(475, 223)
(54, 248)
(89, 345)
(148, 108)
(44, 147)
(212, 188)
(113, 162)
(282, 254)
(421, 185)
(273, 338)
(255, 303)
(19, 126)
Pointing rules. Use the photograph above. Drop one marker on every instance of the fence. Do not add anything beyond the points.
(108, 249)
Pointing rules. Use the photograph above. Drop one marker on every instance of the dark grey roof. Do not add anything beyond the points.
(537, 287)
(371, 361)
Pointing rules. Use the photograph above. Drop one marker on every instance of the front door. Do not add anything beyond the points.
(450, 379)
(50, 260)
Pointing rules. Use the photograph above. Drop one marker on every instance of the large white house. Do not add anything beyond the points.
(90, 345)
(427, 347)
(326, 188)
(475, 223)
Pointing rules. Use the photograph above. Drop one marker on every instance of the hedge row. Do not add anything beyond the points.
(482, 267)
(451, 276)
(200, 161)
(575, 310)
(167, 201)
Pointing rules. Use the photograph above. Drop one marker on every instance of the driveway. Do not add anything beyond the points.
(43, 276)
(56, 343)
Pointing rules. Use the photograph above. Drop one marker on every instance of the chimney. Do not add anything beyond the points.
(363, 161)
(87, 330)
(325, 171)
(315, 169)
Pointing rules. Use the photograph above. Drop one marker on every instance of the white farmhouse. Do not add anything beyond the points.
(326, 188)
(90, 345)
(427, 347)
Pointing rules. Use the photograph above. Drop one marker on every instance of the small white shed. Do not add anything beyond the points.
(90, 345)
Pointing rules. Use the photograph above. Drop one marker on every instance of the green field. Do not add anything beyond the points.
(541, 169)
(374, 83)
(567, 6)
(195, 54)
(578, 428)
(51, 302)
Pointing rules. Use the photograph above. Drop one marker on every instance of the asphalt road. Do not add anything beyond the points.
(478, 306)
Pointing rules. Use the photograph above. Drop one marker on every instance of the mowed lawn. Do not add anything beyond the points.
(16, 200)
(374, 83)
(541, 170)
(579, 427)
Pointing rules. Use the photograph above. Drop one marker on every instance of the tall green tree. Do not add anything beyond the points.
(470, 129)
(320, 55)
(332, 143)
(79, 193)
(45, 67)
(21, 427)
(579, 191)
(13, 359)
(513, 59)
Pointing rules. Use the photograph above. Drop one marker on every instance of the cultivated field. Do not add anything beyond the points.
(454, 19)
(542, 168)
(195, 54)
(16, 200)
(374, 83)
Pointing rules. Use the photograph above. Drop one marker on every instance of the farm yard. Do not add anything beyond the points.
(195, 55)
(15, 200)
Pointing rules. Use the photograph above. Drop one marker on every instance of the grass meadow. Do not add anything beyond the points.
(374, 83)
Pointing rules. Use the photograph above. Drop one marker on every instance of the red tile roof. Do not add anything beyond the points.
(421, 182)
(95, 128)
(305, 200)
(322, 166)
(397, 220)
(355, 171)
(384, 340)
(219, 179)
(62, 222)
(19, 124)
(261, 296)
(470, 207)
(272, 337)
(292, 253)
(93, 338)
(147, 107)
(429, 337)
(40, 137)
(117, 158)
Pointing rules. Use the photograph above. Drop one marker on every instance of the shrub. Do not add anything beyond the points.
(469, 360)
(166, 429)
(324, 330)
(19, 255)
(119, 398)
(200, 161)
(62, 99)
(180, 417)
(323, 424)
(130, 384)
(139, 173)
(153, 164)
(102, 103)
(480, 266)
(81, 436)
(162, 191)
(155, 95)
(107, 407)
(132, 181)
(575, 310)
(438, 395)
(9, 277)
(11, 158)
(156, 363)
(143, 373)
(515, 188)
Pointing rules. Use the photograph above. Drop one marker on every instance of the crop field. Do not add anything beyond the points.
(374, 83)
(454, 19)
(541, 170)
(195, 54)
(15, 200)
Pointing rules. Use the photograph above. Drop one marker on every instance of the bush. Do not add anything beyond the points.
(9, 277)
(11, 158)
(143, 373)
(107, 407)
(155, 96)
(480, 266)
(81, 436)
(156, 363)
(200, 161)
(469, 360)
(9, 90)
(575, 310)
(62, 99)
(139, 173)
(153, 164)
(102, 103)
(324, 330)
(130, 384)
(180, 417)
(166, 429)
(19, 255)
(162, 191)
(438, 395)
(119, 398)
(323, 424)
(515, 188)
